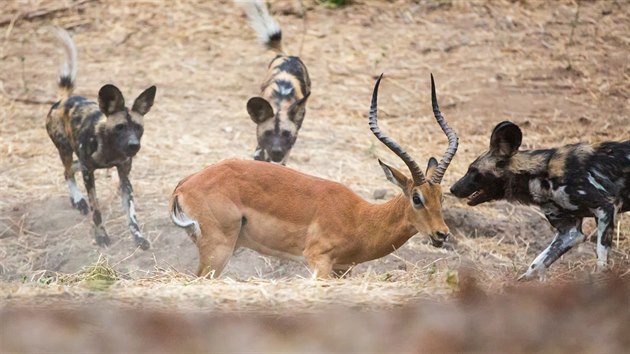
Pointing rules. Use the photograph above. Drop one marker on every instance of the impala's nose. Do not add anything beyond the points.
(441, 235)
(438, 238)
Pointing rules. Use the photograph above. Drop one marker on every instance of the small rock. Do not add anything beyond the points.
(380, 193)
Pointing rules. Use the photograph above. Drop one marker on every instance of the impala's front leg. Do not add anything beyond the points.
(100, 234)
(605, 217)
(569, 233)
(321, 266)
(126, 192)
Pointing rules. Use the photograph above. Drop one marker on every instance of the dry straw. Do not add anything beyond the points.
(492, 60)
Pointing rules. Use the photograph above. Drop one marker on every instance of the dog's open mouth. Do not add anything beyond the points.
(477, 197)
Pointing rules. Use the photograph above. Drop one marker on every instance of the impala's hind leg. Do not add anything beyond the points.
(216, 246)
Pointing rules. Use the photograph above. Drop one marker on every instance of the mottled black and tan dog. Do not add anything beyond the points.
(279, 110)
(569, 183)
(102, 135)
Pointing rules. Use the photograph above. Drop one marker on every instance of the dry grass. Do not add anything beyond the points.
(493, 60)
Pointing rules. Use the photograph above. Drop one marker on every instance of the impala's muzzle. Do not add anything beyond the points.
(438, 238)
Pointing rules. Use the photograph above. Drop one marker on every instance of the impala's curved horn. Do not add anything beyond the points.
(416, 172)
(453, 140)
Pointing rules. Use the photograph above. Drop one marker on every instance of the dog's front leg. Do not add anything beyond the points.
(260, 154)
(100, 234)
(569, 233)
(605, 216)
(126, 192)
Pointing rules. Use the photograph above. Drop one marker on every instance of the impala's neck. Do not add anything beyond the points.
(385, 227)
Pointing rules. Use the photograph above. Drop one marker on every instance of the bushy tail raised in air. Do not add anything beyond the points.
(68, 71)
(263, 23)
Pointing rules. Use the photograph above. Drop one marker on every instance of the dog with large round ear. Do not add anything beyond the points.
(110, 100)
(102, 135)
(568, 183)
(505, 140)
(279, 109)
(484, 181)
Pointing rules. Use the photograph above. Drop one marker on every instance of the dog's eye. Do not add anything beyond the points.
(268, 133)
(119, 127)
(286, 134)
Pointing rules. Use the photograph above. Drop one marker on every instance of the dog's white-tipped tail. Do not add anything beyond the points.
(68, 72)
(267, 29)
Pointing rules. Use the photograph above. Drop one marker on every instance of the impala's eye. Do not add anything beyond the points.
(417, 201)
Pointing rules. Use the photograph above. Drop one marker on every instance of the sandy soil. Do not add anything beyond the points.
(563, 77)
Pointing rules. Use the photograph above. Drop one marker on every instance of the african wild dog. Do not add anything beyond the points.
(279, 111)
(101, 135)
(569, 183)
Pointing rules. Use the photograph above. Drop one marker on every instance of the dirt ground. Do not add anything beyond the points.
(561, 70)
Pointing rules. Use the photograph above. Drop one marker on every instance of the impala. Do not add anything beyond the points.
(278, 211)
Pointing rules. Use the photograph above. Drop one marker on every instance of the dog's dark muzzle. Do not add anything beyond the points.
(277, 155)
(132, 148)
(464, 187)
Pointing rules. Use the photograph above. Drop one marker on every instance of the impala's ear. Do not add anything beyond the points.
(395, 176)
(259, 109)
(144, 102)
(505, 139)
(110, 100)
(433, 163)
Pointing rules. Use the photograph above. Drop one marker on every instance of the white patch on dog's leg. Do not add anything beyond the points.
(537, 267)
(75, 193)
(602, 250)
(132, 213)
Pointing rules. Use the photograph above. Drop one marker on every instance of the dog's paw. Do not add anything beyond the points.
(143, 243)
(533, 273)
(102, 239)
(81, 205)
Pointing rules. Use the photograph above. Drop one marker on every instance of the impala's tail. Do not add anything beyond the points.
(263, 23)
(68, 71)
(179, 218)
